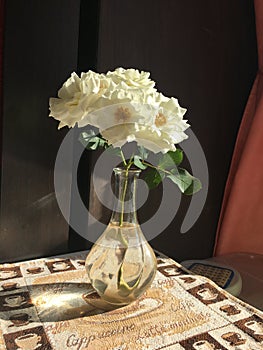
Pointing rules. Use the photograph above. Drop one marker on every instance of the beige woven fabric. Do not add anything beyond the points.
(49, 304)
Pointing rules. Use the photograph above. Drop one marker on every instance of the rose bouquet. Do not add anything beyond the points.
(125, 107)
(118, 108)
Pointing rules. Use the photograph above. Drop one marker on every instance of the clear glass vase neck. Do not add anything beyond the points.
(124, 208)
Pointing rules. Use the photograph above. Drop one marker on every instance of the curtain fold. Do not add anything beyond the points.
(240, 227)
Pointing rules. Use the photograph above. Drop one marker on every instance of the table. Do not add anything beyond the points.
(49, 304)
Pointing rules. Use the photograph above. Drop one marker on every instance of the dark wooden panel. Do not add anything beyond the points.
(204, 52)
(41, 50)
(87, 60)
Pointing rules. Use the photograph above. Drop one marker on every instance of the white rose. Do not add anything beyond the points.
(125, 107)
(78, 97)
(144, 136)
(150, 139)
(113, 115)
(166, 120)
(150, 125)
(118, 135)
(114, 95)
(131, 78)
(169, 120)
(66, 108)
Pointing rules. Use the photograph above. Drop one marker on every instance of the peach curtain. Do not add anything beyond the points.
(240, 227)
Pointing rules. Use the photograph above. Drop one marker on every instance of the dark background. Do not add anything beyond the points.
(203, 52)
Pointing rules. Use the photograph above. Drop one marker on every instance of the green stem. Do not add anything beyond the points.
(156, 167)
(127, 167)
(123, 158)
(124, 193)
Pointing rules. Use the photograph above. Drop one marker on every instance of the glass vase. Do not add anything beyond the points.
(121, 265)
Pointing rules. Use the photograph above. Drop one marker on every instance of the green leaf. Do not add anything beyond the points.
(91, 141)
(124, 289)
(100, 285)
(181, 178)
(143, 152)
(187, 183)
(138, 162)
(93, 145)
(170, 159)
(102, 142)
(153, 178)
(115, 151)
(195, 186)
(85, 137)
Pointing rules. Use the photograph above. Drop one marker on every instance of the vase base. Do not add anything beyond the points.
(96, 301)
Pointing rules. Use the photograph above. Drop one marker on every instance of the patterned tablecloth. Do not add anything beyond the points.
(49, 304)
